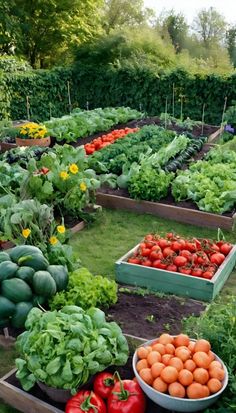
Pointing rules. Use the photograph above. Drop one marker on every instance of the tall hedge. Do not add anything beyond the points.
(102, 86)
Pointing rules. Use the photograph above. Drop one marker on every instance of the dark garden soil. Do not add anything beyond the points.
(148, 316)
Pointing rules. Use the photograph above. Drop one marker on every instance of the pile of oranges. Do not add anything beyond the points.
(180, 367)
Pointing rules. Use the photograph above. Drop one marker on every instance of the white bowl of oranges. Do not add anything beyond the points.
(180, 373)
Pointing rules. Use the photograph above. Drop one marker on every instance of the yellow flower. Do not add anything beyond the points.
(23, 132)
(26, 232)
(53, 240)
(64, 175)
(83, 186)
(61, 229)
(74, 168)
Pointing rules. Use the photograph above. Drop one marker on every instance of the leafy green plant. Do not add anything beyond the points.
(64, 349)
(150, 184)
(218, 325)
(86, 290)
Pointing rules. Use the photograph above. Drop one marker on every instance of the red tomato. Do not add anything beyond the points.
(196, 272)
(190, 246)
(163, 243)
(146, 263)
(171, 267)
(156, 248)
(156, 263)
(168, 252)
(226, 248)
(178, 245)
(217, 258)
(170, 235)
(133, 260)
(208, 275)
(86, 401)
(156, 255)
(149, 237)
(184, 270)
(202, 258)
(145, 252)
(126, 397)
(180, 261)
(186, 253)
(103, 384)
(162, 265)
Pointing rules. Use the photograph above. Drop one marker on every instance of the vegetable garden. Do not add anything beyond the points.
(72, 324)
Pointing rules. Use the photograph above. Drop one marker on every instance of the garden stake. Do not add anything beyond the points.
(203, 117)
(50, 110)
(166, 107)
(223, 115)
(173, 100)
(69, 98)
(28, 107)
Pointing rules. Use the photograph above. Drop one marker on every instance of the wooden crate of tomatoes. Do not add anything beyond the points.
(197, 268)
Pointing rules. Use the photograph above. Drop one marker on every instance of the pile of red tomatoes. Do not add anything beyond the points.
(107, 139)
(195, 257)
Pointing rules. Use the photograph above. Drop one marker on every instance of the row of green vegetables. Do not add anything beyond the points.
(144, 163)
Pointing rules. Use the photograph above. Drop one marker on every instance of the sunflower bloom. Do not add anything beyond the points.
(61, 229)
(74, 168)
(83, 187)
(53, 240)
(26, 232)
(64, 175)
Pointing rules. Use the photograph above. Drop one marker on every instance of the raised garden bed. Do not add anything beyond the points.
(185, 212)
(174, 282)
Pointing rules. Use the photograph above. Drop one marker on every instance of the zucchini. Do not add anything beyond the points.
(20, 315)
(7, 270)
(25, 274)
(7, 307)
(4, 256)
(16, 290)
(60, 275)
(44, 284)
(22, 250)
(35, 261)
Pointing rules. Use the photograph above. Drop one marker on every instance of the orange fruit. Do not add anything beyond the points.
(166, 358)
(191, 346)
(160, 348)
(176, 389)
(201, 359)
(183, 353)
(156, 369)
(202, 345)
(181, 340)
(170, 349)
(217, 373)
(214, 385)
(211, 355)
(153, 357)
(190, 365)
(146, 375)
(185, 377)
(166, 339)
(201, 375)
(169, 374)
(214, 364)
(195, 391)
(159, 385)
(177, 363)
(148, 348)
(142, 352)
(141, 364)
(206, 391)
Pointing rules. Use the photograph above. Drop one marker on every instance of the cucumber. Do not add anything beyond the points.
(22, 250)
(35, 261)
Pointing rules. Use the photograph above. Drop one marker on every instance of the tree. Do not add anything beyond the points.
(118, 13)
(210, 26)
(231, 44)
(177, 28)
(8, 28)
(46, 25)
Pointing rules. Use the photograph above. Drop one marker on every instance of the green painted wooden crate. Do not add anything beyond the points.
(173, 282)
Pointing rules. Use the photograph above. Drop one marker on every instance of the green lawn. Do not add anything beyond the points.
(116, 232)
